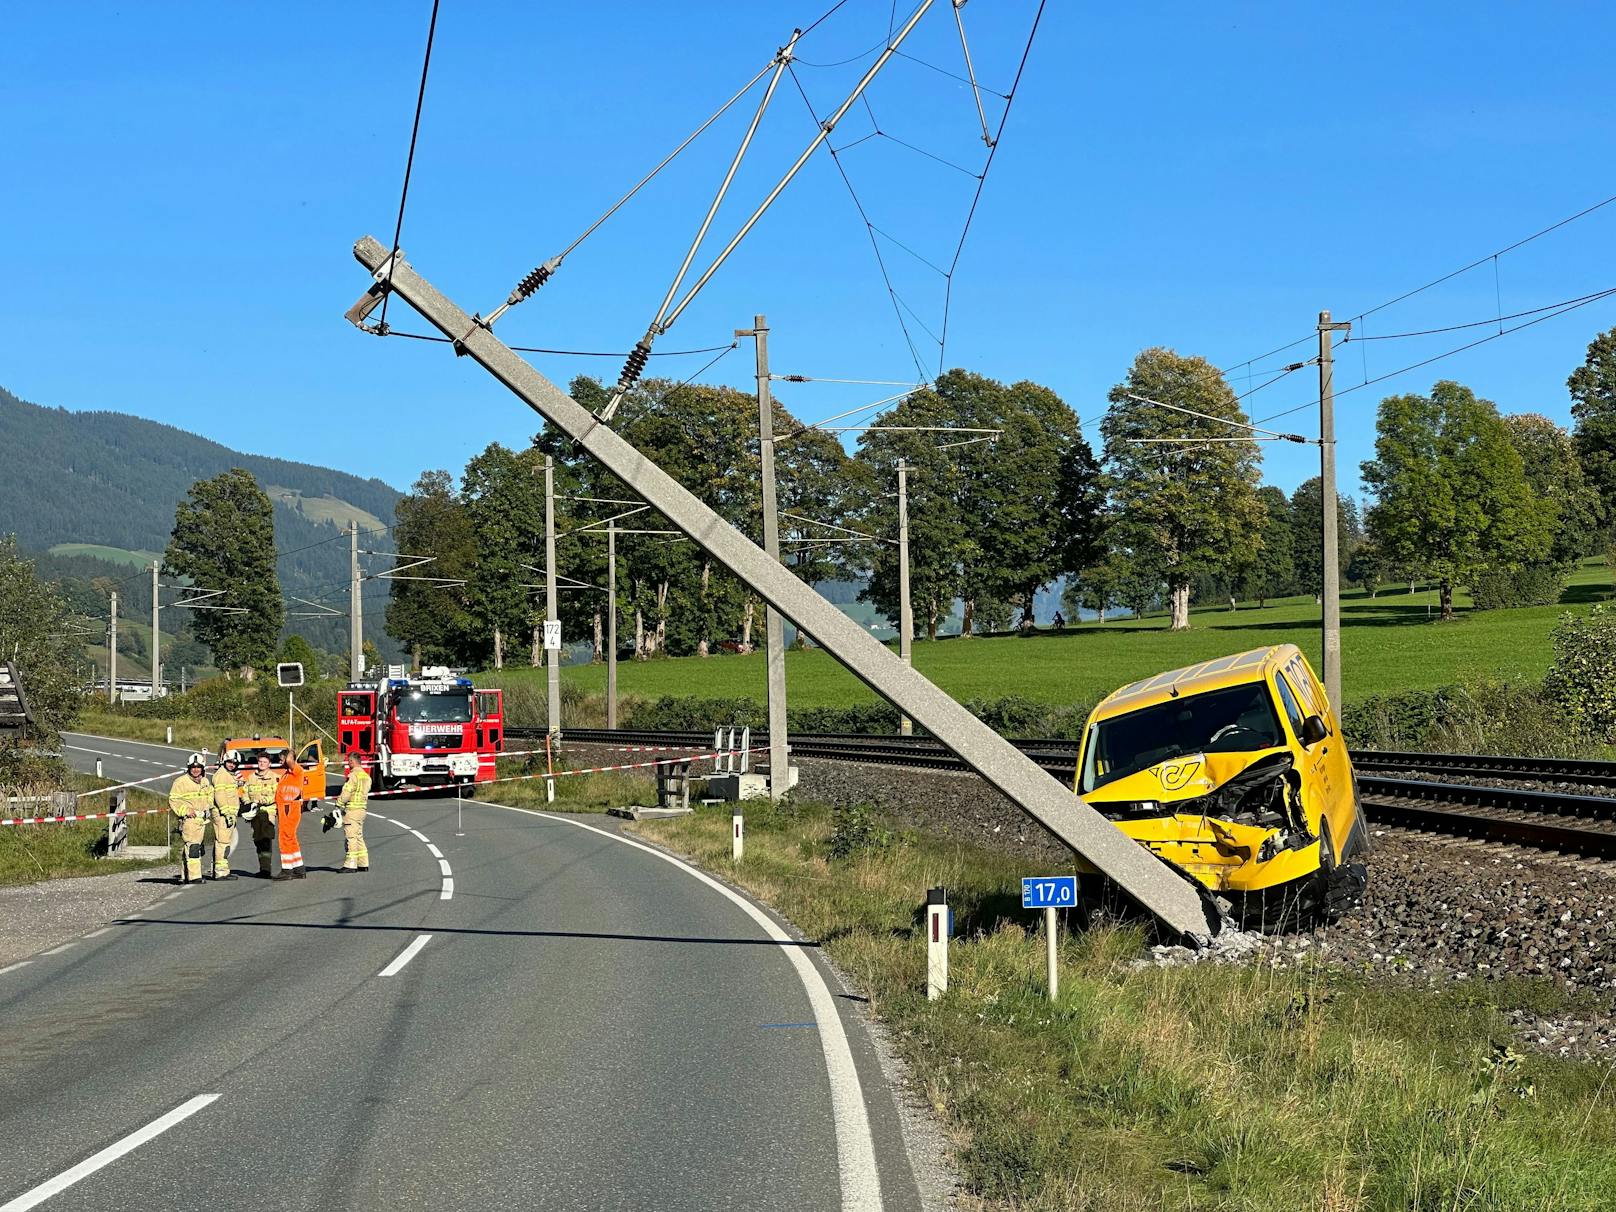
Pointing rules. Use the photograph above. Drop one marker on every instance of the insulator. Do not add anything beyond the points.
(635, 366)
(535, 279)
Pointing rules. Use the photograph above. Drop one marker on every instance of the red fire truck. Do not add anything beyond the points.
(429, 729)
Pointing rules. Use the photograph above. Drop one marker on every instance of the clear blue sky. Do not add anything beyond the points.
(184, 182)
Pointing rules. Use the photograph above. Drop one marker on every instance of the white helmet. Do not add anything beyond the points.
(233, 755)
(196, 759)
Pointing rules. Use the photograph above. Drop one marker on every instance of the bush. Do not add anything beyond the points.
(1394, 721)
(1582, 680)
(856, 828)
(1531, 585)
(678, 713)
(1478, 717)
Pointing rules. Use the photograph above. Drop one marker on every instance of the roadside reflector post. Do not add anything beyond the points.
(168, 734)
(97, 767)
(737, 833)
(117, 824)
(1051, 927)
(459, 832)
(937, 931)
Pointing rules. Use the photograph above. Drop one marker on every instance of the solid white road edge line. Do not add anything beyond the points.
(14, 967)
(98, 933)
(855, 1144)
(111, 1153)
(59, 950)
(446, 893)
(397, 966)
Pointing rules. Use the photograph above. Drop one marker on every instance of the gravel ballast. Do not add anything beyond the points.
(37, 917)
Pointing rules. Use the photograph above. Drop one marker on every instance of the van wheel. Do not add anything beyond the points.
(1344, 884)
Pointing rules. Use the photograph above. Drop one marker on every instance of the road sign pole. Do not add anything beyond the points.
(1182, 909)
(937, 931)
(156, 643)
(356, 617)
(552, 656)
(1051, 925)
(112, 651)
(1330, 586)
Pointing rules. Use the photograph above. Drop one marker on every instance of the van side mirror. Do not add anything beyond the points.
(1313, 731)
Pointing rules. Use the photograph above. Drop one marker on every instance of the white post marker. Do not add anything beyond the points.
(937, 931)
(1049, 893)
(737, 836)
(459, 832)
(98, 773)
(168, 734)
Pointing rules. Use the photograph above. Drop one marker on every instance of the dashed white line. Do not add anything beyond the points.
(14, 967)
(446, 893)
(397, 966)
(107, 1156)
(59, 950)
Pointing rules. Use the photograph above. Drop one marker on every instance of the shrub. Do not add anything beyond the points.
(1530, 585)
(856, 828)
(679, 713)
(1582, 680)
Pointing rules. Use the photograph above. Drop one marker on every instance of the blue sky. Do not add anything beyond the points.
(184, 183)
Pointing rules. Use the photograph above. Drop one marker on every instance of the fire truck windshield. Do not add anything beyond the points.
(433, 707)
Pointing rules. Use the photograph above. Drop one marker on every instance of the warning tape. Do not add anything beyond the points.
(556, 774)
(81, 816)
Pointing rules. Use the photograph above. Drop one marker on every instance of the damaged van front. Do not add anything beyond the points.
(1235, 773)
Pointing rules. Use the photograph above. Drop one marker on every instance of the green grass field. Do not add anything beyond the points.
(324, 508)
(113, 555)
(1388, 645)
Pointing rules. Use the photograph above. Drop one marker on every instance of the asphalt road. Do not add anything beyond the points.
(589, 1025)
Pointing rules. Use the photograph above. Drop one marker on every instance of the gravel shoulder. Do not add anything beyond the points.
(37, 917)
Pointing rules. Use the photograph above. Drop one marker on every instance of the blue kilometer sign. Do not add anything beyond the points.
(1048, 891)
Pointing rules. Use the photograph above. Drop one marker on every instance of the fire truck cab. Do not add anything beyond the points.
(430, 729)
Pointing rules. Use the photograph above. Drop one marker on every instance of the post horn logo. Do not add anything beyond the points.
(1176, 775)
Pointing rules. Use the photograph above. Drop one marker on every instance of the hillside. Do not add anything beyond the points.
(93, 488)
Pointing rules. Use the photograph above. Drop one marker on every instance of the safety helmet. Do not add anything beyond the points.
(196, 759)
(232, 755)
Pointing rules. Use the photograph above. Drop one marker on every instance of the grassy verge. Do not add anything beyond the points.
(188, 734)
(1199, 1087)
(576, 793)
(30, 853)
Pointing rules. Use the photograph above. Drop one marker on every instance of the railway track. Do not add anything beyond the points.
(1526, 816)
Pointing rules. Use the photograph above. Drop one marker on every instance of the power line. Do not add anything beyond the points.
(566, 353)
(409, 161)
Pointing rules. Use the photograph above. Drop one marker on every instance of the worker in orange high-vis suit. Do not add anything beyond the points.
(190, 799)
(288, 815)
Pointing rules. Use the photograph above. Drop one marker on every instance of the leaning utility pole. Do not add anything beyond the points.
(112, 651)
(156, 642)
(906, 614)
(611, 623)
(356, 625)
(552, 656)
(1331, 588)
(1178, 902)
(773, 626)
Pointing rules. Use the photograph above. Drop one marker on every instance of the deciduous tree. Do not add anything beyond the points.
(1593, 404)
(434, 622)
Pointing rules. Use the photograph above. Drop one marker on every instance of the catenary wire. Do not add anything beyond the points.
(409, 161)
(567, 353)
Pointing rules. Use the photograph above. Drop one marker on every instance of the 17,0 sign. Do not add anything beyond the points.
(1048, 891)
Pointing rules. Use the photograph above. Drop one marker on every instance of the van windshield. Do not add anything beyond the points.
(1236, 719)
(425, 707)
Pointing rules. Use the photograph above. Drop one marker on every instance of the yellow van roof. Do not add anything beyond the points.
(1247, 666)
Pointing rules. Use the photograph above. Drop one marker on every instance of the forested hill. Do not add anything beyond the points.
(106, 477)
(110, 479)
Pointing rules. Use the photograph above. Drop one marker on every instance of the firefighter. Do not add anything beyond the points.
(350, 814)
(258, 790)
(288, 815)
(190, 799)
(226, 804)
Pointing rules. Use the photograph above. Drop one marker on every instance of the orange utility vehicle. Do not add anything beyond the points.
(310, 756)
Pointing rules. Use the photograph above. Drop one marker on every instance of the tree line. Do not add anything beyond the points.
(1170, 510)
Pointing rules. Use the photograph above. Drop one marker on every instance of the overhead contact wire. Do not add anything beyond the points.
(409, 161)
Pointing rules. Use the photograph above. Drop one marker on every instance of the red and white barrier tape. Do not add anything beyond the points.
(81, 816)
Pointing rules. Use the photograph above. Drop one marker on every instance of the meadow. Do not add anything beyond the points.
(1389, 643)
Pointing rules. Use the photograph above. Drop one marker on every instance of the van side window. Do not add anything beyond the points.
(1292, 711)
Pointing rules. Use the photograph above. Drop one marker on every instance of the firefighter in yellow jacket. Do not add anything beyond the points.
(226, 804)
(190, 799)
(258, 793)
(350, 814)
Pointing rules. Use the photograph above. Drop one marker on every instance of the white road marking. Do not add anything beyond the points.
(98, 933)
(62, 948)
(855, 1144)
(14, 967)
(397, 966)
(447, 891)
(107, 1156)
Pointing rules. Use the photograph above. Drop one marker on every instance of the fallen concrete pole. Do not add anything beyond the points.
(1175, 900)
